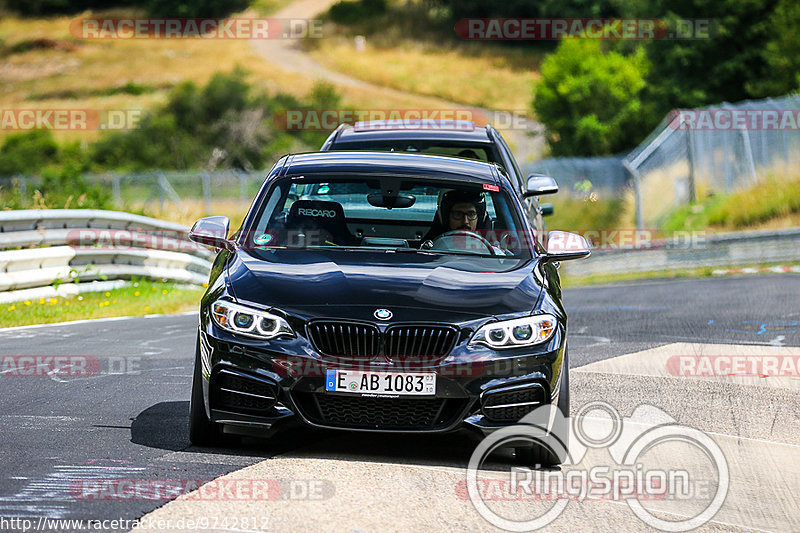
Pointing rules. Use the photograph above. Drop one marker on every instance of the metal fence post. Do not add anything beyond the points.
(115, 189)
(22, 183)
(242, 186)
(161, 191)
(690, 159)
(636, 193)
(206, 180)
(749, 155)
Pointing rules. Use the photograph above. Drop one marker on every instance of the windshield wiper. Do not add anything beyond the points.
(442, 252)
(407, 250)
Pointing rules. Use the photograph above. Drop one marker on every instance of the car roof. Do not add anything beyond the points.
(392, 164)
(376, 130)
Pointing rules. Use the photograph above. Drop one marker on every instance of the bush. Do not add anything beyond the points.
(348, 12)
(589, 100)
(28, 153)
(66, 188)
(59, 188)
(224, 124)
(194, 9)
(155, 8)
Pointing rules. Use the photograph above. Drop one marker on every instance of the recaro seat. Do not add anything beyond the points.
(319, 221)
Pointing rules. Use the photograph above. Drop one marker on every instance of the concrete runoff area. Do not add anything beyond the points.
(372, 491)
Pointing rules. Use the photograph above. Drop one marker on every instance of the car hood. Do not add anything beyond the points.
(353, 284)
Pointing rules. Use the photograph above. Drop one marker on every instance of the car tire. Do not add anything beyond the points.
(202, 431)
(535, 456)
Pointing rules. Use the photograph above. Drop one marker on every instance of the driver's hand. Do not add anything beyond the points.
(427, 245)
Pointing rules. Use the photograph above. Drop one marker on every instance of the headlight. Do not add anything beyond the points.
(248, 321)
(515, 333)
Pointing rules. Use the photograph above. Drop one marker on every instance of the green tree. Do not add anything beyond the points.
(781, 54)
(750, 51)
(589, 99)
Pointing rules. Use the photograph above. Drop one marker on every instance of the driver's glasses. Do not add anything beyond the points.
(459, 215)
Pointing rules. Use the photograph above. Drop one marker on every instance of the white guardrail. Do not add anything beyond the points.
(737, 249)
(42, 251)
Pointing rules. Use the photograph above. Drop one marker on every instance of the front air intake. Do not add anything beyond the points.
(509, 404)
(239, 392)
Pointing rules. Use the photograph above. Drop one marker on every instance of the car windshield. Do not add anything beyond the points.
(389, 213)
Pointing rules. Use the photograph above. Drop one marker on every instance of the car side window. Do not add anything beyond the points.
(517, 178)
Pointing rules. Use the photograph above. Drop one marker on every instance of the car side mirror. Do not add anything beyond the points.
(212, 231)
(563, 246)
(547, 209)
(539, 184)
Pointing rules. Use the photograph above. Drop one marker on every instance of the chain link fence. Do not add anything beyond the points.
(692, 153)
(607, 175)
(718, 149)
(159, 192)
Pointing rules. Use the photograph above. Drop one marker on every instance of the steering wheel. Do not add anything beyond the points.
(458, 240)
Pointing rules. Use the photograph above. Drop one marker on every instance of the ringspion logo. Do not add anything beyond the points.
(692, 484)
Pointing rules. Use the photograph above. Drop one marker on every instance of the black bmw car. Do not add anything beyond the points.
(386, 292)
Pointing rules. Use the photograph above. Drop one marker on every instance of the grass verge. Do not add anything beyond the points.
(479, 80)
(411, 46)
(140, 298)
(774, 202)
(581, 215)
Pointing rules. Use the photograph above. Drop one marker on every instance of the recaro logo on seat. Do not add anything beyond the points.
(317, 213)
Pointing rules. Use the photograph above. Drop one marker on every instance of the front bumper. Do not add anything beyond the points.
(254, 388)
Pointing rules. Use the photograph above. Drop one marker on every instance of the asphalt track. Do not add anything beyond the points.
(127, 420)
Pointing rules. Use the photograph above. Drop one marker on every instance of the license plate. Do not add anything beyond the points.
(381, 383)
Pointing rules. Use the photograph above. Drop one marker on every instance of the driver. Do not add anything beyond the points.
(458, 210)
